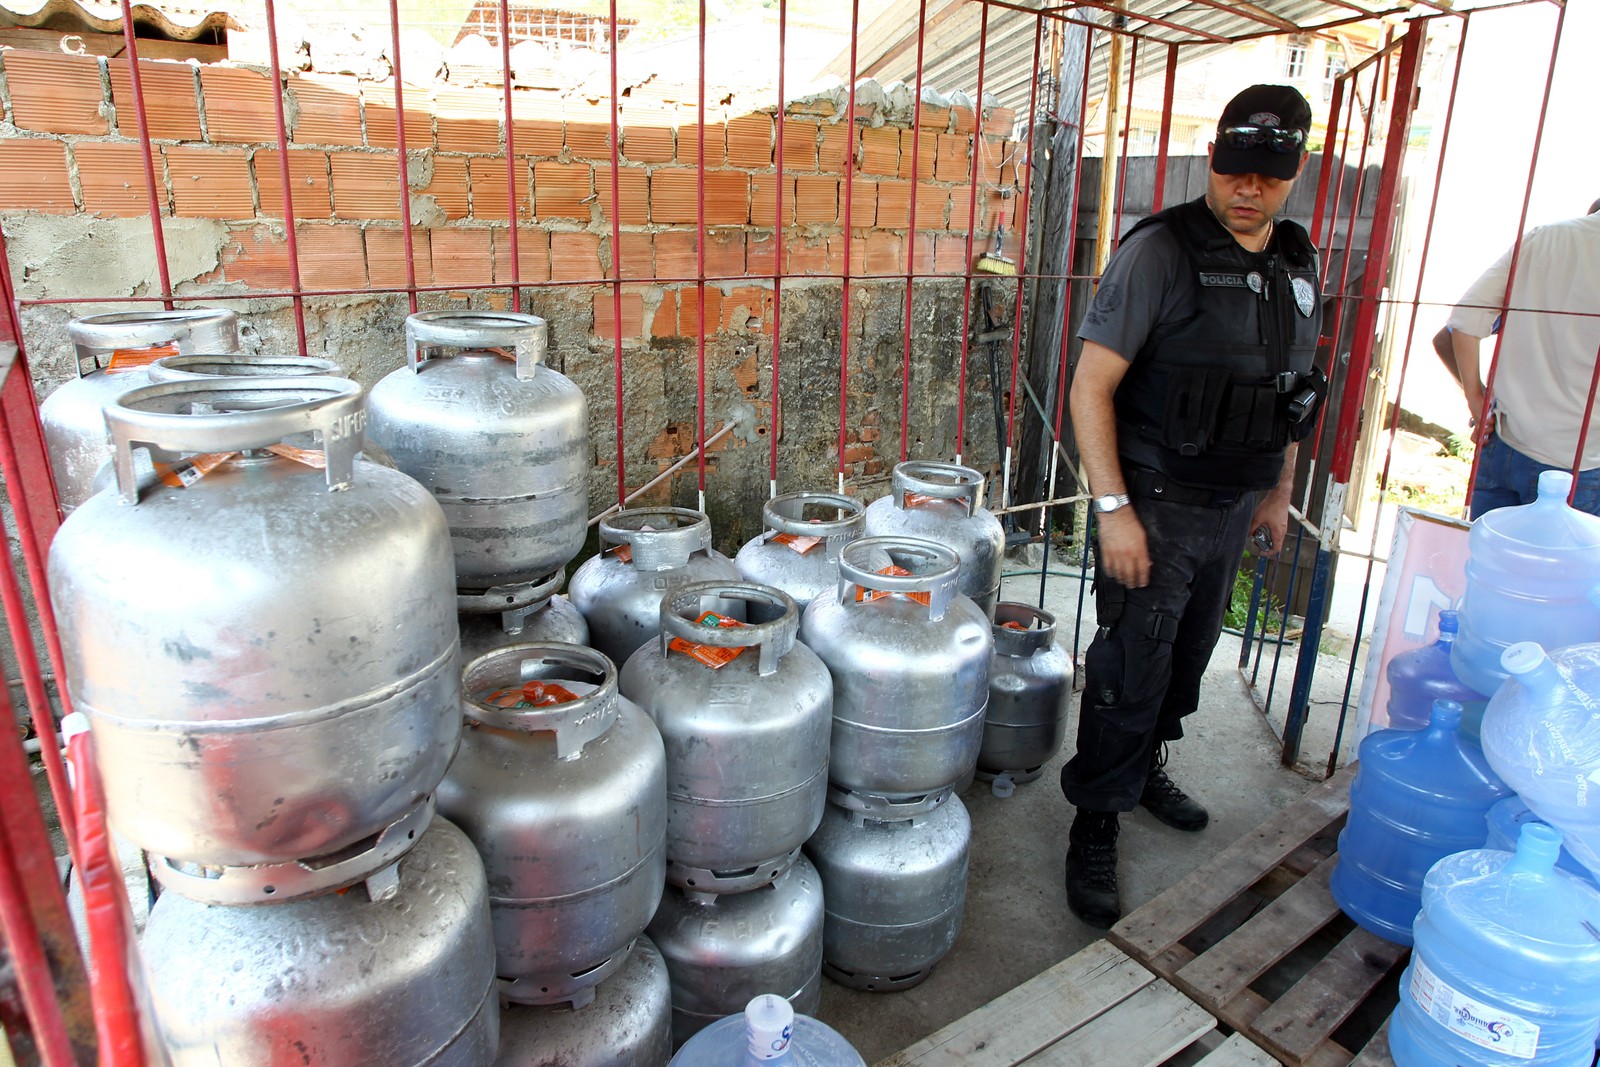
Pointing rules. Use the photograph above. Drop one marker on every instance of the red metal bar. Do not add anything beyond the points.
(1324, 175)
(147, 153)
(283, 173)
(1168, 93)
(1338, 183)
(777, 259)
(1382, 230)
(700, 270)
(1021, 229)
(616, 246)
(1516, 252)
(400, 142)
(911, 242)
(1134, 16)
(972, 230)
(1127, 131)
(21, 409)
(511, 158)
(844, 281)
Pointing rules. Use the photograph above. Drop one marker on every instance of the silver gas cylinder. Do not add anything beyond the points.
(910, 663)
(565, 797)
(548, 617)
(723, 949)
(798, 551)
(628, 1024)
(500, 439)
(943, 503)
(265, 647)
(71, 416)
(895, 892)
(644, 554)
(334, 980)
(206, 366)
(1030, 682)
(745, 711)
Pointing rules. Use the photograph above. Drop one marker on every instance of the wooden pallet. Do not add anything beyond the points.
(1254, 938)
(1098, 1008)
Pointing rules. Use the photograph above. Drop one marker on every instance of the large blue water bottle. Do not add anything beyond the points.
(1419, 795)
(1423, 675)
(1506, 820)
(1530, 573)
(1506, 969)
(1542, 735)
(767, 1033)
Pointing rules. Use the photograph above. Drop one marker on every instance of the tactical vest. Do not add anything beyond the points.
(1214, 399)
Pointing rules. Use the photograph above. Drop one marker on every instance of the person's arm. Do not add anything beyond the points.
(1123, 551)
(1471, 320)
(1445, 350)
(1465, 348)
(1272, 510)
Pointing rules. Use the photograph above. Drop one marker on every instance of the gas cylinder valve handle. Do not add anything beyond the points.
(430, 333)
(935, 570)
(574, 722)
(786, 514)
(1038, 629)
(241, 413)
(673, 536)
(945, 481)
(776, 638)
(189, 329)
(208, 366)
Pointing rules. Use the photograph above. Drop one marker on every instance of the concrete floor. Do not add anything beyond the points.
(1017, 923)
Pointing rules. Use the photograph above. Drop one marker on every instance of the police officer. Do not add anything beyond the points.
(1195, 380)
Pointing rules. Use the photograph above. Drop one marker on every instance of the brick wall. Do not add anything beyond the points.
(69, 146)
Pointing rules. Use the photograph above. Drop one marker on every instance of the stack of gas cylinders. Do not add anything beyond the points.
(405, 803)
(1474, 825)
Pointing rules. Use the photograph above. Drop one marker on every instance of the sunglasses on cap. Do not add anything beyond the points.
(1269, 137)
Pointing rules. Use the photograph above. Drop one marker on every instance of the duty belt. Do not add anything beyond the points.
(1153, 485)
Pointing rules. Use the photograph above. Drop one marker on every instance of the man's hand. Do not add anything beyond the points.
(1273, 513)
(1124, 553)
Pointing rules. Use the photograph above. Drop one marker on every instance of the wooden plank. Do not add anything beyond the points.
(1238, 1051)
(1303, 1017)
(1376, 1054)
(1036, 1014)
(1265, 938)
(1142, 1031)
(1176, 913)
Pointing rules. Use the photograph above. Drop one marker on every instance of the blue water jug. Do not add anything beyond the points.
(1423, 675)
(1419, 795)
(1506, 820)
(1542, 736)
(1506, 969)
(768, 1032)
(1530, 573)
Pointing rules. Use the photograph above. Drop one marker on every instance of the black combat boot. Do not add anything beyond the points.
(1092, 868)
(1163, 799)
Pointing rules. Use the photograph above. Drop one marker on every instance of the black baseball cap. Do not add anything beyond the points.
(1263, 130)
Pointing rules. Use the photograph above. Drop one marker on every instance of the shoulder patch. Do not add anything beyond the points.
(1305, 296)
(1108, 297)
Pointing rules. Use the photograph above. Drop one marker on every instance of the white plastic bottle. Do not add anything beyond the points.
(768, 1032)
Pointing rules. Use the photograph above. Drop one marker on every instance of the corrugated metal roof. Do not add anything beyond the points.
(173, 21)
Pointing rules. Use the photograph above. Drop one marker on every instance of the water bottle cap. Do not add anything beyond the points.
(1449, 622)
(1523, 657)
(1446, 715)
(1538, 847)
(768, 1026)
(1555, 486)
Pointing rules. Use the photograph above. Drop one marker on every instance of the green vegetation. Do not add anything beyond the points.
(1270, 611)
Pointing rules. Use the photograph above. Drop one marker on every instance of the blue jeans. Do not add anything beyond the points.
(1507, 478)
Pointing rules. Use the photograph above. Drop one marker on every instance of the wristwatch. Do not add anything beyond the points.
(1105, 505)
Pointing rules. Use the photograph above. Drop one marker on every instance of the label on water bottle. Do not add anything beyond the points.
(1472, 1020)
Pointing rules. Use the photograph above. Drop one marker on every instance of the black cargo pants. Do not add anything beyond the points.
(1143, 670)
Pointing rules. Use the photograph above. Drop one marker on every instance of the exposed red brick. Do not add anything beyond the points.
(449, 186)
(674, 196)
(764, 200)
(689, 310)
(758, 254)
(990, 151)
(574, 257)
(308, 178)
(331, 256)
(675, 254)
(811, 256)
(1000, 121)
(880, 150)
(926, 146)
(933, 203)
(633, 189)
(871, 434)
(238, 104)
(366, 185)
(635, 254)
(835, 148)
(922, 256)
(950, 255)
(872, 467)
(934, 118)
(799, 145)
(386, 256)
(894, 205)
(816, 199)
(749, 139)
(328, 110)
(256, 256)
(725, 256)
(536, 124)
(863, 202)
(716, 144)
(953, 161)
(879, 253)
(462, 256)
(210, 182)
(33, 177)
(378, 98)
(111, 178)
(747, 309)
(468, 120)
(960, 207)
(963, 120)
(489, 188)
(55, 92)
(647, 136)
(562, 190)
(170, 108)
(632, 314)
(665, 321)
(588, 133)
(859, 453)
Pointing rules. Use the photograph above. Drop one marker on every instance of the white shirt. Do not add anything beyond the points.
(1547, 359)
